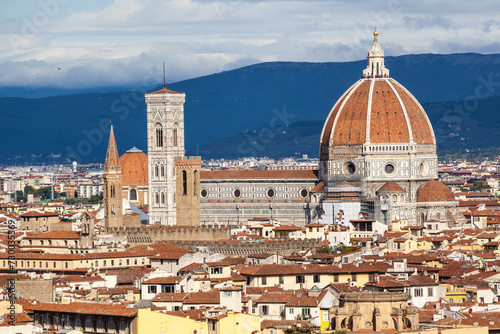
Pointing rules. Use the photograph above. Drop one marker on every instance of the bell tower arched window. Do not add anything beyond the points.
(112, 191)
(184, 182)
(175, 141)
(159, 135)
(194, 182)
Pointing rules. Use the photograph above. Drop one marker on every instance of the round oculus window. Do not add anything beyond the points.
(351, 168)
(204, 193)
(270, 193)
(389, 169)
(236, 193)
(303, 193)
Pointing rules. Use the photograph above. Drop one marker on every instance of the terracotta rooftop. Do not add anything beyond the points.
(164, 280)
(54, 235)
(169, 297)
(164, 90)
(203, 298)
(391, 186)
(87, 308)
(39, 214)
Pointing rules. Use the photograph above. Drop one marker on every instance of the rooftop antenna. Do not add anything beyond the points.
(164, 85)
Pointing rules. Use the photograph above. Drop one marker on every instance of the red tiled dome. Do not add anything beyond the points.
(134, 165)
(391, 187)
(377, 110)
(434, 191)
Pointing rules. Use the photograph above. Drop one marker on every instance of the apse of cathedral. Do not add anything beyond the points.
(377, 161)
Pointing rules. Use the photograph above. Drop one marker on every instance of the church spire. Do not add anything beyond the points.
(376, 67)
(112, 161)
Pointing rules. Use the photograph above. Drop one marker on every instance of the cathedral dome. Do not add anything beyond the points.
(376, 110)
(434, 191)
(134, 165)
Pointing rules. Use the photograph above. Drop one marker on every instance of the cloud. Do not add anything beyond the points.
(426, 22)
(119, 42)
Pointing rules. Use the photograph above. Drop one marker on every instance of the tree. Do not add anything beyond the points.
(479, 186)
(19, 197)
(45, 193)
(70, 201)
(324, 249)
(94, 199)
(30, 190)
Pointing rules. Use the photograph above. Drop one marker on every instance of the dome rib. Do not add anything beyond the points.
(369, 113)
(350, 123)
(388, 121)
(376, 110)
(420, 123)
(332, 116)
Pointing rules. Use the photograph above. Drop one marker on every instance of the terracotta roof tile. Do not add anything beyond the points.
(134, 168)
(54, 235)
(434, 191)
(391, 186)
(87, 308)
(164, 280)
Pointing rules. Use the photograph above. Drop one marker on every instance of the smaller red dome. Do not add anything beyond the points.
(134, 168)
(391, 187)
(434, 191)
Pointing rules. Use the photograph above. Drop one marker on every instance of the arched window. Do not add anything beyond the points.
(132, 195)
(194, 183)
(157, 198)
(184, 182)
(162, 169)
(174, 136)
(438, 216)
(159, 135)
(162, 198)
(113, 210)
(156, 171)
(112, 191)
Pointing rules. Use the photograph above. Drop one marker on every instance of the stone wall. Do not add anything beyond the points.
(188, 190)
(231, 247)
(132, 220)
(39, 289)
(171, 233)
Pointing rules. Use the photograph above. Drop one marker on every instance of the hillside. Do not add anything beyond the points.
(453, 130)
(260, 96)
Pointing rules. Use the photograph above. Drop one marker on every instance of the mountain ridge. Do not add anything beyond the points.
(249, 98)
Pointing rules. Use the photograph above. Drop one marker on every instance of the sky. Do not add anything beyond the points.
(105, 43)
